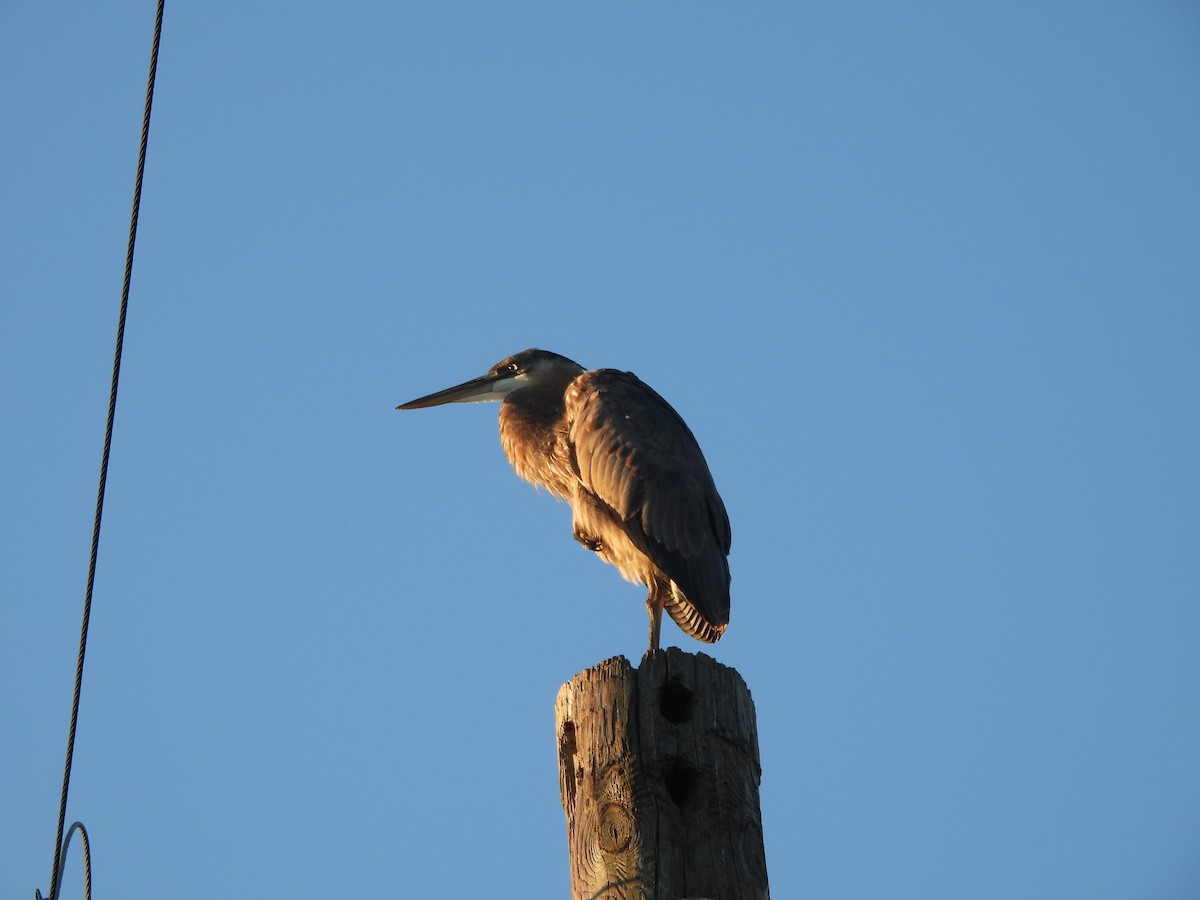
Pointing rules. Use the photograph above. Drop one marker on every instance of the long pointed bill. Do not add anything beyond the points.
(477, 390)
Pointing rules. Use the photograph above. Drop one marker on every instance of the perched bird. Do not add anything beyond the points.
(640, 491)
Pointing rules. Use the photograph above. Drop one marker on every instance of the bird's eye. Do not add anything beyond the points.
(511, 368)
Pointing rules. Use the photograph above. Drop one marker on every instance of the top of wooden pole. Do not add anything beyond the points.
(659, 773)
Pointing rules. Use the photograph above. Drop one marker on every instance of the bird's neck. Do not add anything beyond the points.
(533, 432)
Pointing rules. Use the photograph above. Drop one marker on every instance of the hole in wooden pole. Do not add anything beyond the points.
(566, 756)
(681, 780)
(675, 702)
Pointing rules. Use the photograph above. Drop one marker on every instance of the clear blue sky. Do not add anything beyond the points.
(924, 280)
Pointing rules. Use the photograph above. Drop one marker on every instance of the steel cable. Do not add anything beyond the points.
(59, 849)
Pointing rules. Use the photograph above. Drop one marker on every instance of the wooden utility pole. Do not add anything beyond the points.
(659, 773)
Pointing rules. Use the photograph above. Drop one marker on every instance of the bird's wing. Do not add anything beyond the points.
(634, 453)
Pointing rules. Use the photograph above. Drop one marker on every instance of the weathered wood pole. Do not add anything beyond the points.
(659, 773)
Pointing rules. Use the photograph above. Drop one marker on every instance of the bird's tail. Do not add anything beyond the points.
(688, 618)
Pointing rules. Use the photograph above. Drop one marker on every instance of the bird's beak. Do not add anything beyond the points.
(477, 390)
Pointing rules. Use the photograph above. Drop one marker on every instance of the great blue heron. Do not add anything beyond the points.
(640, 491)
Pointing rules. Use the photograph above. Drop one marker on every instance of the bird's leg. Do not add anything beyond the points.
(655, 609)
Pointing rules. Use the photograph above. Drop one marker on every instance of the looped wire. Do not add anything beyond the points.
(87, 864)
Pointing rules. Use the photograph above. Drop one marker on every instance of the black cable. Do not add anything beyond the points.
(108, 430)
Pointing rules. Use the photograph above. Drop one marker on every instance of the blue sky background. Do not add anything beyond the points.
(924, 280)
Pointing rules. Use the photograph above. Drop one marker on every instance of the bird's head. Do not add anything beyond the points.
(527, 369)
